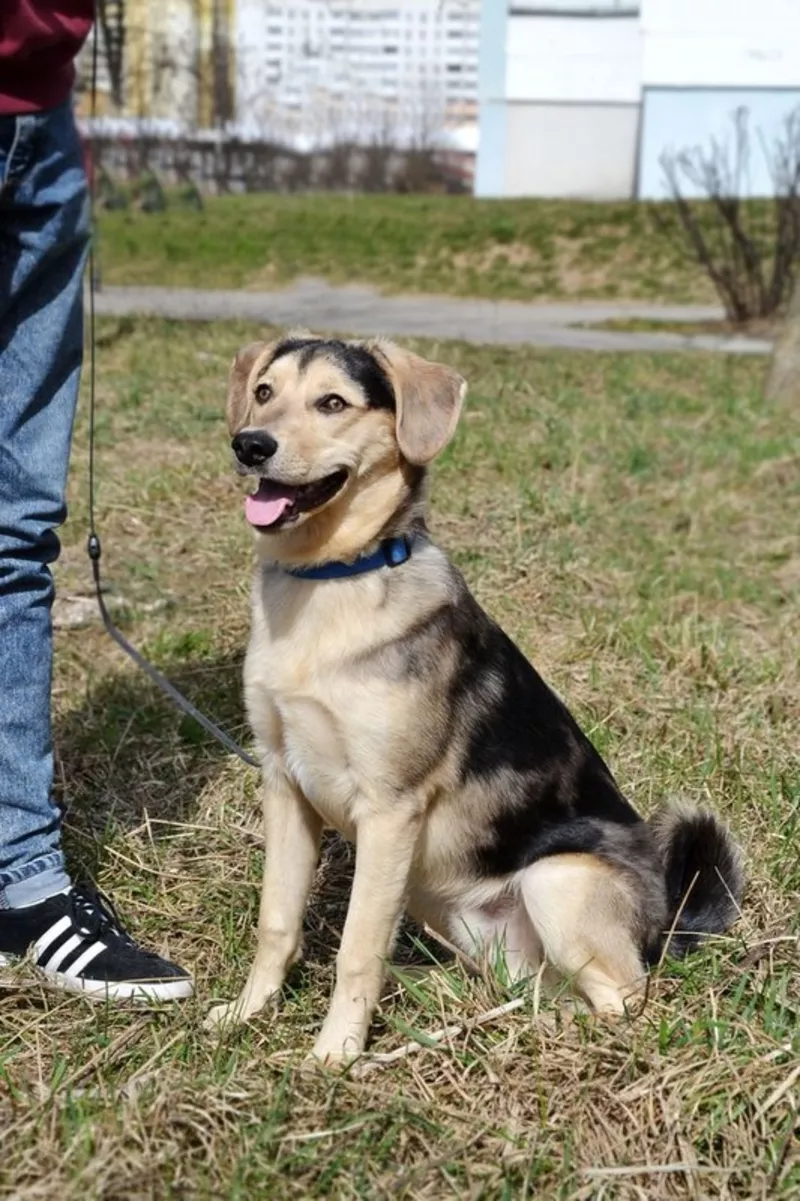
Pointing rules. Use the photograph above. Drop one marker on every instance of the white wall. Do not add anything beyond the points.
(576, 151)
(566, 122)
(689, 64)
(573, 59)
(721, 43)
(701, 61)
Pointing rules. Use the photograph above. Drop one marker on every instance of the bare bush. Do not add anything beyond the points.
(748, 248)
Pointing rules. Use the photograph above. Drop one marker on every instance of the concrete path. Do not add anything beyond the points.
(360, 310)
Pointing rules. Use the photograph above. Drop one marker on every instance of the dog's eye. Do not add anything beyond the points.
(263, 393)
(332, 404)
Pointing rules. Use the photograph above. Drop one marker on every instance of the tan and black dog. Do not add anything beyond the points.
(385, 703)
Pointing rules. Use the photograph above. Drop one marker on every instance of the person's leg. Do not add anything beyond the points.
(44, 231)
(71, 933)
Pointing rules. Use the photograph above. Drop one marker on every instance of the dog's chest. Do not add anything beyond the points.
(313, 743)
(325, 748)
(326, 721)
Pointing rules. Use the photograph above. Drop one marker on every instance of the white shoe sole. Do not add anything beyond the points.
(111, 990)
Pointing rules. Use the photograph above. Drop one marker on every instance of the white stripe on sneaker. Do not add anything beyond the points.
(123, 990)
(74, 970)
(55, 960)
(50, 936)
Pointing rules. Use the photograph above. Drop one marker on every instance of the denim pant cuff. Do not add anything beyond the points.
(34, 882)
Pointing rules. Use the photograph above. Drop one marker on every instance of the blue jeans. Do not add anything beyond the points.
(44, 235)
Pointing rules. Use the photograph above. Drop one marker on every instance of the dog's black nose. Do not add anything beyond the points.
(254, 447)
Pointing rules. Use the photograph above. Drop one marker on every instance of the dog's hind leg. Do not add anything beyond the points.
(498, 934)
(292, 831)
(584, 912)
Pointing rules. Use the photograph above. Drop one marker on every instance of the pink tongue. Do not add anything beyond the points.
(266, 505)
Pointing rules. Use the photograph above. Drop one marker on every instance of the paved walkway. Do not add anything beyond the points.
(360, 310)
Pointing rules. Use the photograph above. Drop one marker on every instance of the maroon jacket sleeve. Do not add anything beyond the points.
(38, 43)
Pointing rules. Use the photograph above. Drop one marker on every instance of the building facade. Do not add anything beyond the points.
(305, 73)
(559, 98)
(583, 98)
(703, 62)
(322, 70)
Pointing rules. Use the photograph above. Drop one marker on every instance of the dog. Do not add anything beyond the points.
(385, 703)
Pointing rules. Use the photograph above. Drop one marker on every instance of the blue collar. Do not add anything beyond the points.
(391, 553)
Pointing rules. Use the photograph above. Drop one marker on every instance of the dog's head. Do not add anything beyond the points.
(338, 435)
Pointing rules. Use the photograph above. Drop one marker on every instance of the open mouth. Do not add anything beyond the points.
(274, 504)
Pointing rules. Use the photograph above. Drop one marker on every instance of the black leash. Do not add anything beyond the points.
(93, 545)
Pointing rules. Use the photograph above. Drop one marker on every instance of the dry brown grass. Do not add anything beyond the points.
(633, 523)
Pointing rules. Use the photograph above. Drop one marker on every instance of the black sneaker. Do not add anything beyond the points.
(78, 943)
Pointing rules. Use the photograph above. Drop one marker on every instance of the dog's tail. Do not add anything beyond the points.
(703, 873)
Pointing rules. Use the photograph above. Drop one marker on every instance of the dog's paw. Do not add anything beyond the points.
(326, 1061)
(336, 1052)
(224, 1016)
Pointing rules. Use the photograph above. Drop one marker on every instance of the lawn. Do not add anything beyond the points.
(632, 521)
(517, 250)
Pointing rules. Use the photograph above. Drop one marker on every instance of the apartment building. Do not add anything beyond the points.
(304, 72)
(319, 70)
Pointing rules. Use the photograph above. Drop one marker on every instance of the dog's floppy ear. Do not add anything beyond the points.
(239, 374)
(429, 397)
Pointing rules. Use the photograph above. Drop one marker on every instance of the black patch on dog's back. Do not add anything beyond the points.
(356, 361)
(558, 795)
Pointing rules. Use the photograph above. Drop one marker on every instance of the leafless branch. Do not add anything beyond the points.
(750, 260)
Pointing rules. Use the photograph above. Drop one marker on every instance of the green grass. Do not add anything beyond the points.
(632, 521)
(519, 250)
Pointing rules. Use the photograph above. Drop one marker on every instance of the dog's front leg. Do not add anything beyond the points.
(385, 846)
(292, 832)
